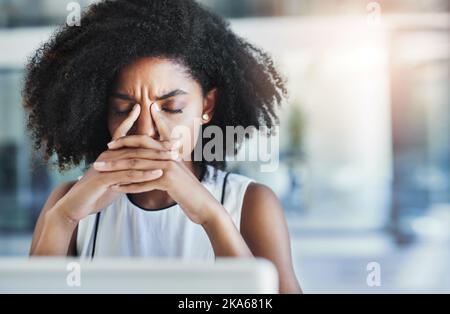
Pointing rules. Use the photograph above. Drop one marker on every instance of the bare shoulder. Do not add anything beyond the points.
(258, 193)
(264, 229)
(261, 205)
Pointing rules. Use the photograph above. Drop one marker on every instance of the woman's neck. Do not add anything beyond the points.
(158, 199)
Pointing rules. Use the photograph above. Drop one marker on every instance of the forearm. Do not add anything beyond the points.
(56, 234)
(224, 236)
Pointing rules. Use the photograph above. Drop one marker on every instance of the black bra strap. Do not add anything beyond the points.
(97, 220)
(223, 188)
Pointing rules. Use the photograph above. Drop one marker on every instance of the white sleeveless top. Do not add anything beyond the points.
(125, 229)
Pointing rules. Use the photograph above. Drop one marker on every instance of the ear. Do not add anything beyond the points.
(209, 104)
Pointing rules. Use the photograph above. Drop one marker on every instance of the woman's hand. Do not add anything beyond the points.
(93, 191)
(176, 179)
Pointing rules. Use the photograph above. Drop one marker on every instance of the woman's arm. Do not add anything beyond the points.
(264, 228)
(264, 233)
(223, 234)
(56, 229)
(54, 234)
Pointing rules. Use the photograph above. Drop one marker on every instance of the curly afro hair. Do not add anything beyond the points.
(68, 80)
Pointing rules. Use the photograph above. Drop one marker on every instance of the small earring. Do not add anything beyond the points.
(205, 116)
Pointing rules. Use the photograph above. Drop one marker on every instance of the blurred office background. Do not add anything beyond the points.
(364, 171)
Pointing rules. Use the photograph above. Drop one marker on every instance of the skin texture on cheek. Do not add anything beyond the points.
(188, 140)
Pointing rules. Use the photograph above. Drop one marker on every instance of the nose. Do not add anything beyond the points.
(145, 125)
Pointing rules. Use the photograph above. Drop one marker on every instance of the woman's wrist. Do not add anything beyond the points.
(216, 215)
(223, 234)
(56, 233)
(60, 214)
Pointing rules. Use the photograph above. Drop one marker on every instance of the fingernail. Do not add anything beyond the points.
(157, 108)
(158, 171)
(111, 144)
(99, 164)
(175, 155)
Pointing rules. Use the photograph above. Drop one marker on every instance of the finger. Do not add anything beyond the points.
(127, 164)
(161, 125)
(136, 153)
(143, 141)
(127, 124)
(138, 187)
(129, 176)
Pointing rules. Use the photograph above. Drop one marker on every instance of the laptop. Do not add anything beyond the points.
(137, 276)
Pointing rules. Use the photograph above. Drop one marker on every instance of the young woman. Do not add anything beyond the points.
(110, 92)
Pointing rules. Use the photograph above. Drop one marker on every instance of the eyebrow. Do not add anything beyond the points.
(173, 93)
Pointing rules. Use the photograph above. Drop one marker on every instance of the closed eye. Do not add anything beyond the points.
(123, 112)
(172, 110)
(127, 112)
(172, 107)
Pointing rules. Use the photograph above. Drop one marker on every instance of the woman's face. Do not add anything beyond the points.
(180, 98)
